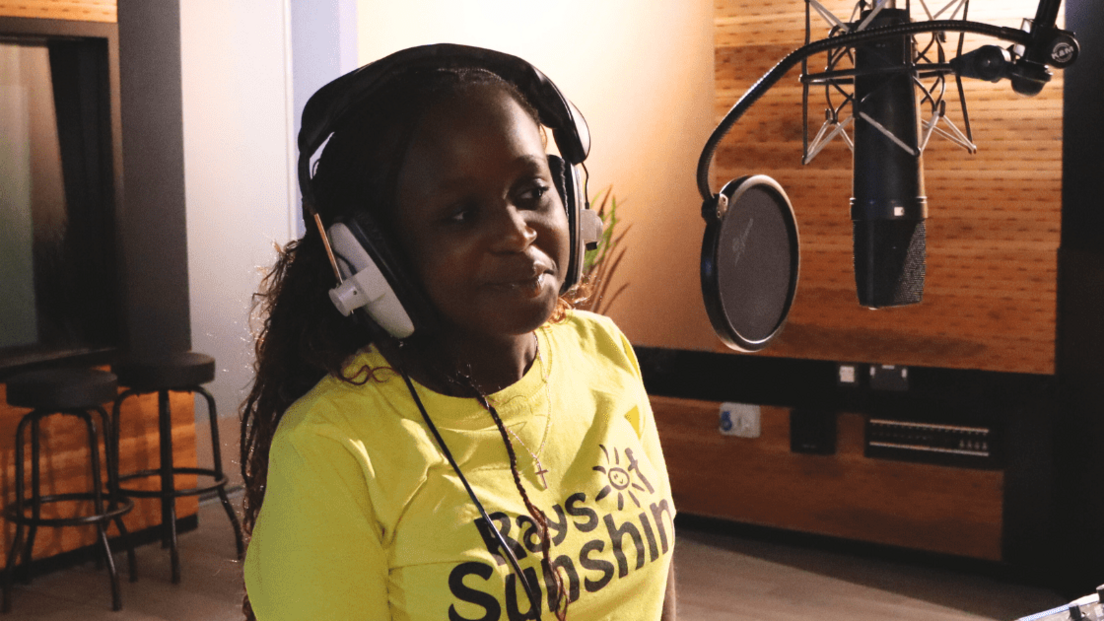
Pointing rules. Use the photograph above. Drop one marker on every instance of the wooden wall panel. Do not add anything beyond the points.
(76, 10)
(994, 216)
(759, 481)
(66, 469)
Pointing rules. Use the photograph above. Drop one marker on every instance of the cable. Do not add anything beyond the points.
(534, 597)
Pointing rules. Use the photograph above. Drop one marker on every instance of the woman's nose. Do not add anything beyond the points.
(515, 232)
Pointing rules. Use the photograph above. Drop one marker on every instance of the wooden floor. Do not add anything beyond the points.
(719, 577)
(746, 578)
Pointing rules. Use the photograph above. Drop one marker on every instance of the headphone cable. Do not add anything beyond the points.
(534, 597)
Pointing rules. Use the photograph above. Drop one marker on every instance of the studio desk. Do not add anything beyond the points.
(65, 469)
(824, 463)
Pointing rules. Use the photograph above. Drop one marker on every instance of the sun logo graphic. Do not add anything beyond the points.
(620, 477)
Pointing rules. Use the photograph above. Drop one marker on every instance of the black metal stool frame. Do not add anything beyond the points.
(166, 470)
(17, 512)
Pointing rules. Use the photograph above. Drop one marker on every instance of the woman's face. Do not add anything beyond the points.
(480, 217)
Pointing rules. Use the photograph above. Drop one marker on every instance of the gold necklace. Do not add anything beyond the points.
(540, 469)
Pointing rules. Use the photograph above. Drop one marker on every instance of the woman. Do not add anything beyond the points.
(502, 461)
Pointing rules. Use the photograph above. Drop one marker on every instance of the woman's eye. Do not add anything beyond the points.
(459, 215)
(535, 194)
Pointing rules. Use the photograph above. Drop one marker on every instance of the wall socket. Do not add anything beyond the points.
(740, 420)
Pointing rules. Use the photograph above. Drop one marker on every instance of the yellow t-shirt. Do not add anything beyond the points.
(363, 517)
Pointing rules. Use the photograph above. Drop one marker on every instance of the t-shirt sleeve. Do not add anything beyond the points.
(645, 419)
(649, 434)
(316, 550)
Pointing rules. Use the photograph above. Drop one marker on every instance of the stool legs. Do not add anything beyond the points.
(116, 485)
(13, 553)
(111, 455)
(36, 497)
(167, 470)
(212, 414)
(98, 504)
(6, 607)
(168, 484)
(100, 518)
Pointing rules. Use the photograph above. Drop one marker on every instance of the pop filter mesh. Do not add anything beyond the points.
(756, 263)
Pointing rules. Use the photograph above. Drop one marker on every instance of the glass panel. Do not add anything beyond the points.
(30, 182)
(56, 265)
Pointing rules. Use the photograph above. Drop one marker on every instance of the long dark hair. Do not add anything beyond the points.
(301, 338)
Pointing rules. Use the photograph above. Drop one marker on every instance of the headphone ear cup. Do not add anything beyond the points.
(584, 225)
(558, 166)
(374, 279)
(561, 175)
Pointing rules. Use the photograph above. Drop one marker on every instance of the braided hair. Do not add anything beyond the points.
(300, 338)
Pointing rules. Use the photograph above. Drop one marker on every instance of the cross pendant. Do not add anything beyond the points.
(541, 471)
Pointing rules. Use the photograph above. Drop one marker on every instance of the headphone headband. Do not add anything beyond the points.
(329, 106)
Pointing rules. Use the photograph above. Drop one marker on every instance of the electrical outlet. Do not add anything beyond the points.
(740, 419)
(847, 374)
(889, 377)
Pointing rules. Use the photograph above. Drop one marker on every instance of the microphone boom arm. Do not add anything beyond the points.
(769, 79)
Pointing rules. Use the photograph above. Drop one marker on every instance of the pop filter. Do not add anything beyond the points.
(749, 261)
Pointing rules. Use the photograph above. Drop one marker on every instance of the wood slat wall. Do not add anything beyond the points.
(994, 217)
(66, 467)
(760, 481)
(76, 10)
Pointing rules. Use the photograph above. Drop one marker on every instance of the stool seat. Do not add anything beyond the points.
(62, 389)
(165, 372)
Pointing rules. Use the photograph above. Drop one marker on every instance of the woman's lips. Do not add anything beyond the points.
(531, 285)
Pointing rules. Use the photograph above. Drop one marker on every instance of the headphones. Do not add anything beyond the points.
(370, 272)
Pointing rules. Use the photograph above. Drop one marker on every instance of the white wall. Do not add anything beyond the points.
(323, 47)
(642, 74)
(237, 184)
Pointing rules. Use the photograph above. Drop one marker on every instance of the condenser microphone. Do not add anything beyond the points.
(747, 302)
(888, 206)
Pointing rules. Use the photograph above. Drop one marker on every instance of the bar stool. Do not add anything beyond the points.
(73, 392)
(181, 372)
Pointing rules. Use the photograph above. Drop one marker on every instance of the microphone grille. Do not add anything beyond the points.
(889, 262)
